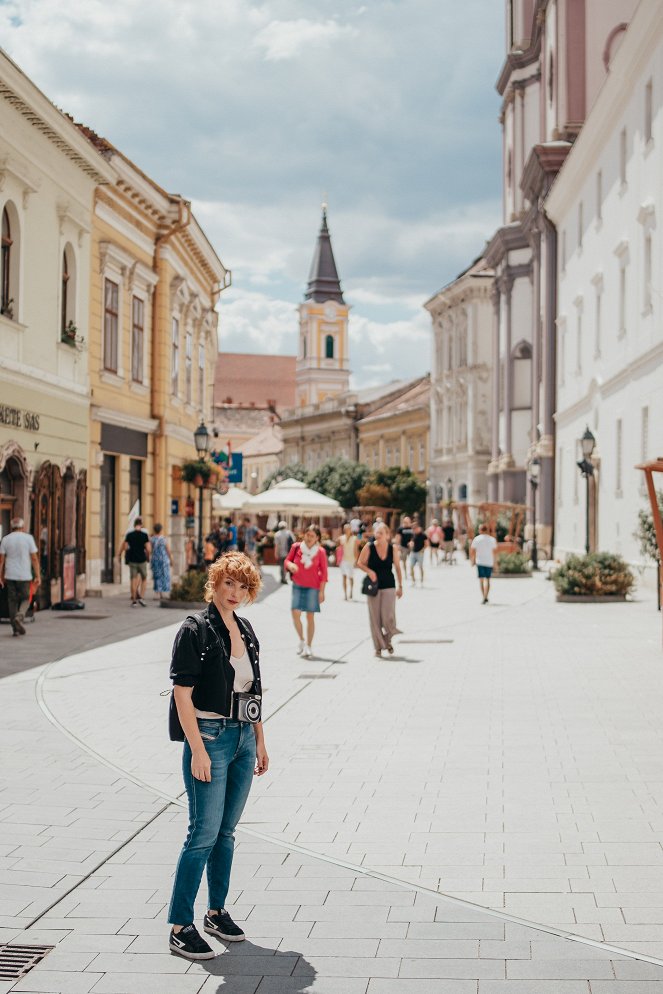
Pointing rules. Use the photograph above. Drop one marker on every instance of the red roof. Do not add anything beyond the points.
(251, 380)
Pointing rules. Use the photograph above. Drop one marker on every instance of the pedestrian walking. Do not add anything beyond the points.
(247, 537)
(231, 535)
(217, 695)
(483, 552)
(380, 559)
(137, 547)
(349, 552)
(161, 562)
(418, 546)
(434, 535)
(19, 566)
(307, 564)
(449, 541)
(404, 536)
(283, 541)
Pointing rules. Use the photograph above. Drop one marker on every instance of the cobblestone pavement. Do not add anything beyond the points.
(504, 767)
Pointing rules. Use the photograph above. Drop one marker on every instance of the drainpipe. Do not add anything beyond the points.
(183, 221)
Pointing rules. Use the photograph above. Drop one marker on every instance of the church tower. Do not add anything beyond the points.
(323, 366)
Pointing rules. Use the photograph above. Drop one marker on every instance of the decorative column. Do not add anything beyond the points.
(493, 466)
(546, 446)
(507, 288)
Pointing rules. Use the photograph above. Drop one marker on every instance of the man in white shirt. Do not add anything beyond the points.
(19, 563)
(483, 552)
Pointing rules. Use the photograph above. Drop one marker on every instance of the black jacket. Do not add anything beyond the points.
(201, 659)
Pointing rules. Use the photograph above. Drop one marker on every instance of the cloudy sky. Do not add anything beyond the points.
(255, 110)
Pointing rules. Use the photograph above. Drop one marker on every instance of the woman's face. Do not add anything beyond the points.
(230, 593)
(380, 533)
(310, 537)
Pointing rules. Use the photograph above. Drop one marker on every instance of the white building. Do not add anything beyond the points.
(461, 371)
(607, 205)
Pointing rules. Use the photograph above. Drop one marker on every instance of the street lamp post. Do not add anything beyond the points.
(450, 487)
(586, 467)
(534, 474)
(201, 441)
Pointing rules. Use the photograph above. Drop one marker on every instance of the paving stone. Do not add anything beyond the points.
(53, 982)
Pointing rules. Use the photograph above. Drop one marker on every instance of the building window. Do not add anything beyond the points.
(422, 456)
(175, 358)
(618, 457)
(648, 111)
(303, 346)
(135, 486)
(580, 224)
(410, 461)
(579, 341)
(6, 302)
(137, 338)
(329, 347)
(597, 320)
(111, 324)
(64, 291)
(647, 271)
(462, 347)
(644, 435)
(188, 366)
(622, 157)
(622, 298)
(599, 196)
(201, 377)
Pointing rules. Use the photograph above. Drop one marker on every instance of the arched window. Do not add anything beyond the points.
(64, 292)
(303, 346)
(68, 329)
(522, 376)
(329, 347)
(6, 303)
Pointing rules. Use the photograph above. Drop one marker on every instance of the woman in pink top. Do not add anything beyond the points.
(307, 564)
(435, 536)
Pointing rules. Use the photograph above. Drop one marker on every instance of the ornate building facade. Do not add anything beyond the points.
(461, 385)
(48, 175)
(558, 57)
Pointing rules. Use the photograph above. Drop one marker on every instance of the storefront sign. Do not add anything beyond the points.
(14, 417)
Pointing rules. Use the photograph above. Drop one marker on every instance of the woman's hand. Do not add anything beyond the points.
(372, 576)
(262, 761)
(292, 568)
(399, 592)
(201, 766)
(321, 597)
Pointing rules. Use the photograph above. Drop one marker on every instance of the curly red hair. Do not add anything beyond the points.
(240, 568)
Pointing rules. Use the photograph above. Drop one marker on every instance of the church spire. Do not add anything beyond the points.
(323, 281)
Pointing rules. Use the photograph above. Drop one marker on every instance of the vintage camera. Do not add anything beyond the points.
(247, 707)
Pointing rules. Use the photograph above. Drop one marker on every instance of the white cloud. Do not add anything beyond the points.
(285, 39)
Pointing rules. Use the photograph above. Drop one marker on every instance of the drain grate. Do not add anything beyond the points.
(70, 616)
(316, 676)
(16, 961)
(425, 641)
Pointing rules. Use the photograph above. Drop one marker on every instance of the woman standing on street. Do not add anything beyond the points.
(379, 559)
(349, 550)
(161, 562)
(218, 695)
(307, 564)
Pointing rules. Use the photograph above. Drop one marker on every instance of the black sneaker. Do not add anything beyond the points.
(189, 943)
(222, 926)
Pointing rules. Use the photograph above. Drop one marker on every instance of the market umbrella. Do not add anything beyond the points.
(292, 497)
(233, 500)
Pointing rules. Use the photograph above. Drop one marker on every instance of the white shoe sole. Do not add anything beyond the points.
(226, 938)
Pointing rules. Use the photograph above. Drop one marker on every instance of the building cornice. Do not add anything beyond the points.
(28, 101)
(506, 239)
(543, 164)
(121, 419)
(45, 382)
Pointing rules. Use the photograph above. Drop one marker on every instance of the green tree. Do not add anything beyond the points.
(293, 471)
(374, 495)
(341, 479)
(407, 491)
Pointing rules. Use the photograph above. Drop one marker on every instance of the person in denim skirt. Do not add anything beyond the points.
(215, 658)
(307, 564)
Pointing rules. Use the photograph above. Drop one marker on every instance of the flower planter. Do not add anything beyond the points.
(268, 555)
(591, 598)
(512, 576)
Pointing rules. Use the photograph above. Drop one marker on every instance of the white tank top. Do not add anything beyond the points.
(242, 683)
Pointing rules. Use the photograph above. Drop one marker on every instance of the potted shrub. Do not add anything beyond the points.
(189, 592)
(599, 576)
(69, 336)
(513, 564)
(196, 471)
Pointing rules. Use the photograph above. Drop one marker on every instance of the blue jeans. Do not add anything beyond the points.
(214, 810)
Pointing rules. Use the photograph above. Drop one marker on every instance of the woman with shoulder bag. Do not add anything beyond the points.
(217, 693)
(307, 564)
(379, 559)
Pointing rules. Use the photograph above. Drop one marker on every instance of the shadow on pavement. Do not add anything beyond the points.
(269, 585)
(245, 963)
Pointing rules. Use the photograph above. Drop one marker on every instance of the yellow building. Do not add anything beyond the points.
(152, 354)
(397, 433)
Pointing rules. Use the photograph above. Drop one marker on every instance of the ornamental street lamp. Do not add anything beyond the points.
(586, 467)
(534, 474)
(450, 487)
(201, 441)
